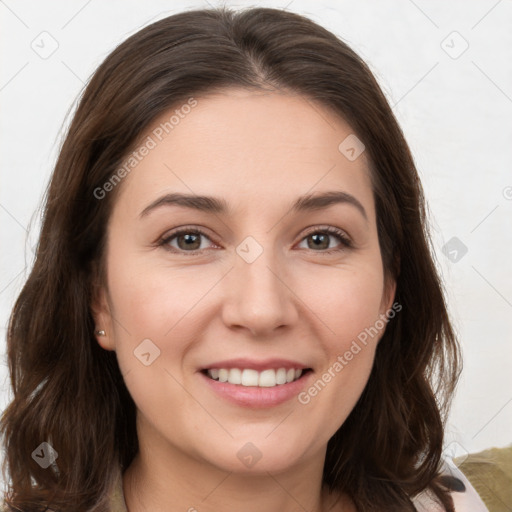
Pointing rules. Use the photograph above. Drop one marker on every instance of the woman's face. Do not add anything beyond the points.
(262, 288)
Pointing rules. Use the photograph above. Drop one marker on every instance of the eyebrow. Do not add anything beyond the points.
(308, 202)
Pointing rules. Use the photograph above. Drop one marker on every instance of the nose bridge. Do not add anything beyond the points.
(258, 296)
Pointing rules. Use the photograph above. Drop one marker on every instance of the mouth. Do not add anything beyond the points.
(253, 389)
(248, 377)
(256, 384)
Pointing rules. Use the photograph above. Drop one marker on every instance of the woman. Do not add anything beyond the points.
(234, 301)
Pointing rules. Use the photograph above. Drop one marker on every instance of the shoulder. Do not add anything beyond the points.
(465, 498)
(116, 499)
(490, 472)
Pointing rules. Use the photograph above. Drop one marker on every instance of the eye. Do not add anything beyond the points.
(187, 240)
(320, 239)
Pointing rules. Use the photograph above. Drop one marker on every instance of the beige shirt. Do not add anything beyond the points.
(467, 501)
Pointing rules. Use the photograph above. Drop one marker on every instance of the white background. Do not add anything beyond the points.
(454, 106)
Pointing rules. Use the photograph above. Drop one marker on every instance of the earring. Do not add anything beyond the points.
(100, 333)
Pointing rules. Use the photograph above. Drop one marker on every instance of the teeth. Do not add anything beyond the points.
(248, 377)
(235, 376)
(281, 376)
(267, 379)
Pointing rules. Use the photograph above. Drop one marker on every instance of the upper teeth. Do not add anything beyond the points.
(249, 377)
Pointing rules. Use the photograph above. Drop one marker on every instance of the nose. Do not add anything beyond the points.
(258, 296)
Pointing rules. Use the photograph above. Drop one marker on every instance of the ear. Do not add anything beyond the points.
(101, 313)
(388, 295)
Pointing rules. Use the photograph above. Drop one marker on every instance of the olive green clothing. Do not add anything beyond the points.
(490, 473)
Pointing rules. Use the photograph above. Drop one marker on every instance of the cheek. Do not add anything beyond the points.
(347, 301)
(164, 306)
(150, 300)
(350, 311)
(149, 314)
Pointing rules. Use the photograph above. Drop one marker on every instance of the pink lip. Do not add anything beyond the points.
(255, 397)
(265, 364)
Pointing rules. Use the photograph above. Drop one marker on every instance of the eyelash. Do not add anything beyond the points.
(345, 241)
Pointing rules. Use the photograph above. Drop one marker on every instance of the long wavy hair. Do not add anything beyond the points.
(69, 392)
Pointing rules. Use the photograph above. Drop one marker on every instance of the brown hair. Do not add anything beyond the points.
(69, 392)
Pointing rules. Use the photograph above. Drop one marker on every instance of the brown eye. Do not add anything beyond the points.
(320, 240)
(187, 240)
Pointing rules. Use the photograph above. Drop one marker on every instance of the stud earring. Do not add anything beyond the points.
(100, 333)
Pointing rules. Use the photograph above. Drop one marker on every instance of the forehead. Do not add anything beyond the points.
(247, 145)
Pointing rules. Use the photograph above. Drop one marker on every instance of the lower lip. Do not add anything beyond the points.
(256, 397)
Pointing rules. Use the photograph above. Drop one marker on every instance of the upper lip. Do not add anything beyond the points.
(253, 364)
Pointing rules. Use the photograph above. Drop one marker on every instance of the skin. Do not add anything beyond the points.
(259, 151)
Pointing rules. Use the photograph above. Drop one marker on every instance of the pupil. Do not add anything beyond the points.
(317, 237)
(189, 240)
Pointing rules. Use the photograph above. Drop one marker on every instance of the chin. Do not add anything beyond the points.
(253, 455)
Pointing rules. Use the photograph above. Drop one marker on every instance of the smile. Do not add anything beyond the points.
(248, 377)
(250, 388)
